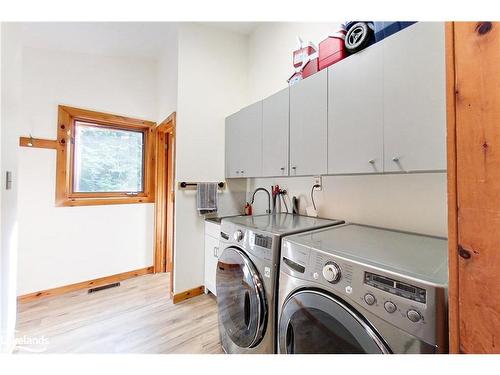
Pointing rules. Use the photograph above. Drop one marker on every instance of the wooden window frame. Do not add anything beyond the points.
(67, 117)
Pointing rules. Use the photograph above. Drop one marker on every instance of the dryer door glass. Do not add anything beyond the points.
(240, 298)
(314, 322)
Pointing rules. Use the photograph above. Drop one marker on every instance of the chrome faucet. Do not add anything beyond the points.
(268, 211)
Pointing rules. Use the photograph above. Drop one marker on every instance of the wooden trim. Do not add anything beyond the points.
(452, 190)
(477, 108)
(38, 143)
(106, 118)
(182, 296)
(165, 197)
(84, 285)
(64, 171)
(77, 202)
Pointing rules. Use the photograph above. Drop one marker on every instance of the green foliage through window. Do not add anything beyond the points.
(107, 160)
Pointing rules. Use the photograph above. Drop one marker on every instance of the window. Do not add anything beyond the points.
(103, 159)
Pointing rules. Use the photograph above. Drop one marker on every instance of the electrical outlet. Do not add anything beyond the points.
(318, 180)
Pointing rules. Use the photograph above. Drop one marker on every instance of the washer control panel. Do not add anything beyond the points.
(398, 288)
(260, 244)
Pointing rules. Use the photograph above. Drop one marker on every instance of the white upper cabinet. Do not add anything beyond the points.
(244, 142)
(250, 135)
(308, 126)
(414, 99)
(380, 110)
(355, 117)
(275, 130)
(231, 147)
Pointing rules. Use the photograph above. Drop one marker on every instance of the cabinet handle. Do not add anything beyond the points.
(242, 172)
(395, 159)
(282, 168)
(237, 172)
(371, 161)
(216, 251)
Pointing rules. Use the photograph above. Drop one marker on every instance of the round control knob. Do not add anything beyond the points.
(389, 307)
(331, 272)
(413, 315)
(369, 299)
(238, 235)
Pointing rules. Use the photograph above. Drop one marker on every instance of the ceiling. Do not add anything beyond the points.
(239, 27)
(125, 39)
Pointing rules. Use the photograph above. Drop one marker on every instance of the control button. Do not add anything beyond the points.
(413, 315)
(369, 299)
(331, 272)
(348, 289)
(389, 307)
(238, 235)
(315, 276)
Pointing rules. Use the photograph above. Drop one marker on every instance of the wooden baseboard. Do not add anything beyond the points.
(182, 296)
(84, 285)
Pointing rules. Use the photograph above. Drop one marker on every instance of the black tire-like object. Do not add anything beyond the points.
(357, 37)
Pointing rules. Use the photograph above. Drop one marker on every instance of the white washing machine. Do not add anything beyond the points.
(247, 274)
(359, 289)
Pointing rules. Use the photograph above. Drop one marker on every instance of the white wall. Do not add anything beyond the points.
(10, 120)
(64, 245)
(212, 83)
(414, 202)
(270, 53)
(167, 79)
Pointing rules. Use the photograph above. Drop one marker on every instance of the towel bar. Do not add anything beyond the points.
(184, 185)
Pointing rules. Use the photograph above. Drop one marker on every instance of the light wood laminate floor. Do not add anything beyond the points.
(137, 317)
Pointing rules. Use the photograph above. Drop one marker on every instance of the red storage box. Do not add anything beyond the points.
(310, 68)
(331, 50)
(301, 55)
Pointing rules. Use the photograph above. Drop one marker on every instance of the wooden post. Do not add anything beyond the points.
(474, 186)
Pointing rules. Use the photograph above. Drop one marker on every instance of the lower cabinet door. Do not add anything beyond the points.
(211, 256)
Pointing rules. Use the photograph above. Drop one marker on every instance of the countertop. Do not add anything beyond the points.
(218, 219)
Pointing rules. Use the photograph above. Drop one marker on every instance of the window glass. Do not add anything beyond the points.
(107, 159)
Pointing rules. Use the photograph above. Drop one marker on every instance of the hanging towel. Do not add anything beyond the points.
(206, 197)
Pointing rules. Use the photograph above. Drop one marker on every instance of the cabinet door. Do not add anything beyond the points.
(308, 126)
(414, 99)
(355, 122)
(231, 146)
(275, 132)
(211, 256)
(244, 142)
(250, 140)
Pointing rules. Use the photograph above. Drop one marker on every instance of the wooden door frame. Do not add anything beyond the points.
(453, 287)
(473, 183)
(165, 197)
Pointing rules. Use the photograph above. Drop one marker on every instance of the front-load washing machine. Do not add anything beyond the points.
(360, 289)
(247, 274)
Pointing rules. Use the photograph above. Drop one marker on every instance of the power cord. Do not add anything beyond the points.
(284, 202)
(312, 195)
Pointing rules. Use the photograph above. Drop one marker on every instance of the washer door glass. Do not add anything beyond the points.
(314, 322)
(240, 298)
